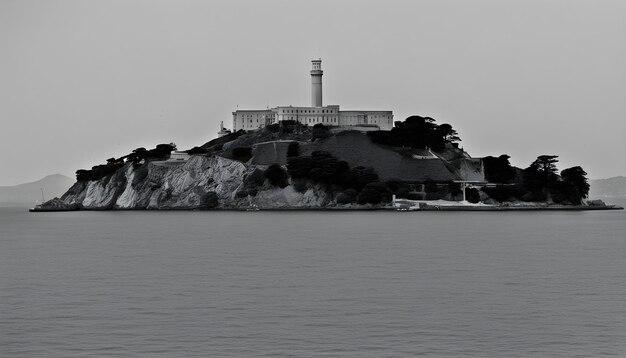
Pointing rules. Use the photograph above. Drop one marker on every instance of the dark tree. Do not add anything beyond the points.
(242, 153)
(416, 132)
(499, 170)
(299, 167)
(448, 133)
(357, 177)
(293, 150)
(319, 131)
(254, 179)
(540, 177)
(385, 192)
(577, 177)
(472, 195)
(347, 196)
(277, 176)
(545, 164)
(369, 196)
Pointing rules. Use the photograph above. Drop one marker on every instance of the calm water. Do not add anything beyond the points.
(312, 284)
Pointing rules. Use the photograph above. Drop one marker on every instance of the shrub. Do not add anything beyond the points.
(319, 131)
(402, 192)
(357, 177)
(299, 185)
(255, 178)
(293, 150)
(498, 170)
(369, 196)
(347, 196)
(242, 153)
(277, 176)
(385, 193)
(416, 132)
(472, 195)
(274, 128)
(320, 167)
(500, 192)
(299, 167)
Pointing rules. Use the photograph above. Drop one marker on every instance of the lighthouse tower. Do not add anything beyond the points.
(316, 83)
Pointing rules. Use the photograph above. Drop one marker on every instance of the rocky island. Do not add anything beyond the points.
(418, 164)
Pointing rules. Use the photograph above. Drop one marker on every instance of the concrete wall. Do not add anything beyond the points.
(252, 119)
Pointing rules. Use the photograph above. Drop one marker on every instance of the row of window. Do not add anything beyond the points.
(308, 111)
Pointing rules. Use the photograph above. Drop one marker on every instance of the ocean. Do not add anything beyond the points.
(312, 284)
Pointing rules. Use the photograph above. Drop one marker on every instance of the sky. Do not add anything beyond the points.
(83, 81)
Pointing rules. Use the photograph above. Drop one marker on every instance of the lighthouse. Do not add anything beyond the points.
(316, 83)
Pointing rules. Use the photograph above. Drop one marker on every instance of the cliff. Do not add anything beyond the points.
(187, 185)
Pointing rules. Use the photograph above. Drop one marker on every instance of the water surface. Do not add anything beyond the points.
(312, 284)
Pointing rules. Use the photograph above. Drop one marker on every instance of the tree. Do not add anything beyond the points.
(369, 196)
(545, 164)
(319, 131)
(498, 170)
(277, 176)
(293, 150)
(417, 132)
(448, 133)
(577, 177)
(347, 196)
(242, 153)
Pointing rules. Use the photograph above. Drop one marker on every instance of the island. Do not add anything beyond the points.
(289, 165)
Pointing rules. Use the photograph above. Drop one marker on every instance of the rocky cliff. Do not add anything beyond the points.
(189, 185)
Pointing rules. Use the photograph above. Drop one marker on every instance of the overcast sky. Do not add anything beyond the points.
(83, 81)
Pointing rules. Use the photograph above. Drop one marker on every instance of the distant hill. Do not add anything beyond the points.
(611, 187)
(30, 193)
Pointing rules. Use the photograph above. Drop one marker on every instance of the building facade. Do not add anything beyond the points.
(328, 115)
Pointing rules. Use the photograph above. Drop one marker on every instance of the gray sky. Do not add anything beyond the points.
(83, 81)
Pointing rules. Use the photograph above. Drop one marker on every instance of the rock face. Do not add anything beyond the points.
(193, 184)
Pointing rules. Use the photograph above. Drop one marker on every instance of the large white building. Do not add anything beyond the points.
(317, 113)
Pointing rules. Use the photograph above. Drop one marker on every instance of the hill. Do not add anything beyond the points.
(292, 165)
(610, 187)
(30, 193)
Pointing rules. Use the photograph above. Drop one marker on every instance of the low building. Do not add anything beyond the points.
(178, 156)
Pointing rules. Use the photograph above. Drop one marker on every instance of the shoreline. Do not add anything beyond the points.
(421, 208)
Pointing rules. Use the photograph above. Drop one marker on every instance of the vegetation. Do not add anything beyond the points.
(320, 131)
(577, 178)
(417, 132)
(541, 182)
(293, 150)
(242, 153)
(137, 157)
(277, 176)
(347, 196)
(499, 170)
